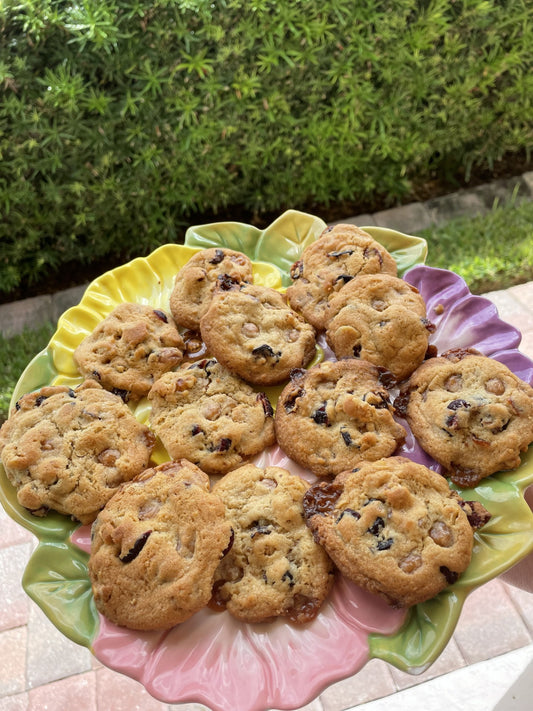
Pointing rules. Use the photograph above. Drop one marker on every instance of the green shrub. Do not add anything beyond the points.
(121, 120)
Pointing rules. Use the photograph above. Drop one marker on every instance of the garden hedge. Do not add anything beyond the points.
(123, 121)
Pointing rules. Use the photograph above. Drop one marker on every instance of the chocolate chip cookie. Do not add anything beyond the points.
(69, 450)
(130, 349)
(204, 413)
(274, 567)
(382, 319)
(253, 332)
(394, 528)
(341, 253)
(335, 415)
(156, 546)
(470, 413)
(195, 283)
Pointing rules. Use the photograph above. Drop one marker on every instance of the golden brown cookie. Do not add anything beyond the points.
(470, 413)
(274, 567)
(335, 415)
(382, 319)
(341, 253)
(253, 332)
(206, 414)
(156, 546)
(69, 450)
(395, 528)
(195, 283)
(130, 349)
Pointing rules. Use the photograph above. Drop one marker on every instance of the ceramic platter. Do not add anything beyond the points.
(202, 660)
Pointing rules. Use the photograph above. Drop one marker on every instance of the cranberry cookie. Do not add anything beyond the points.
(394, 528)
(335, 415)
(195, 283)
(130, 349)
(253, 332)
(69, 450)
(274, 567)
(156, 546)
(382, 319)
(341, 253)
(470, 413)
(206, 414)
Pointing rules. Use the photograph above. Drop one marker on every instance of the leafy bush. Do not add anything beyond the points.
(120, 120)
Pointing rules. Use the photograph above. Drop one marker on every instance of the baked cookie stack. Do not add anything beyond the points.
(232, 368)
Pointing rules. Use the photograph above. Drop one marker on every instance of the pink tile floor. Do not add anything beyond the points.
(40, 669)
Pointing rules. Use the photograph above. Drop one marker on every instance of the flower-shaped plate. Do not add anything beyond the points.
(286, 666)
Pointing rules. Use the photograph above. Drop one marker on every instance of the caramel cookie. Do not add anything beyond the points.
(274, 567)
(341, 253)
(394, 528)
(206, 414)
(156, 546)
(253, 332)
(335, 415)
(382, 319)
(470, 413)
(69, 450)
(130, 349)
(195, 283)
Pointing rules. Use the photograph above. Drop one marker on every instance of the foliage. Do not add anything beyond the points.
(490, 252)
(120, 120)
(15, 354)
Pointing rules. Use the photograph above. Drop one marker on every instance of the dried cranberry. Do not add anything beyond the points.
(136, 548)
(376, 528)
(450, 575)
(219, 256)
(346, 437)
(457, 404)
(320, 416)
(161, 314)
(265, 351)
(265, 402)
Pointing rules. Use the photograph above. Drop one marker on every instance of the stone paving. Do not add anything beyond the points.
(41, 669)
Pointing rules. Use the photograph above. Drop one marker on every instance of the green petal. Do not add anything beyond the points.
(57, 580)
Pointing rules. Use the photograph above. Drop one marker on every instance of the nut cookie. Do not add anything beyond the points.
(156, 546)
(335, 415)
(130, 349)
(195, 282)
(382, 319)
(206, 414)
(69, 450)
(253, 332)
(341, 253)
(470, 413)
(394, 528)
(274, 567)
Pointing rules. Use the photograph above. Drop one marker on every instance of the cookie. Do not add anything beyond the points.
(382, 319)
(195, 283)
(156, 546)
(253, 332)
(335, 415)
(470, 413)
(394, 528)
(274, 568)
(130, 349)
(206, 414)
(69, 450)
(341, 253)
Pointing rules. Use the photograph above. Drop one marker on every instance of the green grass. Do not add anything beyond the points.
(15, 354)
(490, 252)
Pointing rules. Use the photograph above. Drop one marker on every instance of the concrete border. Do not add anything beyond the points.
(410, 218)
